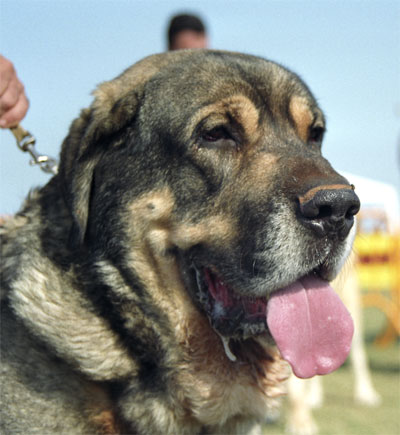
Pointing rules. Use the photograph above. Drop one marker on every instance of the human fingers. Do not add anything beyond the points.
(11, 95)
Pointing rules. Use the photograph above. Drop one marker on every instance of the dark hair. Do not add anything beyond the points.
(184, 22)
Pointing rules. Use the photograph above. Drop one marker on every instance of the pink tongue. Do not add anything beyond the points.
(311, 327)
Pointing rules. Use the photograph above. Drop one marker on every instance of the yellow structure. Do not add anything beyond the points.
(378, 269)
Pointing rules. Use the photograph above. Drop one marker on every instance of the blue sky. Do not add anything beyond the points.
(347, 51)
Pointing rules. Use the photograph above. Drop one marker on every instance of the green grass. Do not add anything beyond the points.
(340, 415)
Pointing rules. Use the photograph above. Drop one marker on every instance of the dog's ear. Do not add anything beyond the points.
(81, 151)
(115, 104)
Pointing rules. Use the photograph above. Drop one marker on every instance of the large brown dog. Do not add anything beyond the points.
(193, 218)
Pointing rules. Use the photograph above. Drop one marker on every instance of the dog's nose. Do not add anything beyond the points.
(329, 210)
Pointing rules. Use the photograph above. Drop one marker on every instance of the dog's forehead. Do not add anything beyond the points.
(217, 74)
(206, 75)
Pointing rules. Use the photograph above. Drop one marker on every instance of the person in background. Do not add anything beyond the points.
(13, 102)
(186, 31)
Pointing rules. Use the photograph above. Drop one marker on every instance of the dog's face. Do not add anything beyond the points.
(212, 160)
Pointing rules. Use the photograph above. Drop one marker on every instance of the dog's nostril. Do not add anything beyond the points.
(352, 211)
(325, 211)
(311, 210)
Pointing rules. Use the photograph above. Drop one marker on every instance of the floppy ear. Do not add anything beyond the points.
(116, 103)
(82, 150)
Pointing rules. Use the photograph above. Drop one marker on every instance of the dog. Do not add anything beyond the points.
(157, 283)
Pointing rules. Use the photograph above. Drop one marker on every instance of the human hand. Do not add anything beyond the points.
(13, 101)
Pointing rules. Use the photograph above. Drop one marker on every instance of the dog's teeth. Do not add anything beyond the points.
(229, 354)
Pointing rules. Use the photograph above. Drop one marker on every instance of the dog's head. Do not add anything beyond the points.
(214, 160)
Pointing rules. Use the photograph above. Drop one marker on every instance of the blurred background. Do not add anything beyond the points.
(348, 52)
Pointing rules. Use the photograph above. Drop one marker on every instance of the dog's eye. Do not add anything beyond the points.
(218, 136)
(316, 134)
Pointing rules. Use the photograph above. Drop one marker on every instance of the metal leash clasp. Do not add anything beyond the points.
(26, 143)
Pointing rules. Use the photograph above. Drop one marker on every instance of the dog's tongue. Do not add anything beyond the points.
(311, 326)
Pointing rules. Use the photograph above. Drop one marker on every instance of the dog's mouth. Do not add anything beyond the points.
(306, 319)
(231, 314)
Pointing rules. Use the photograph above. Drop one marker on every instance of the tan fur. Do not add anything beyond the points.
(301, 115)
(78, 333)
(208, 374)
(214, 229)
(239, 107)
(311, 193)
(254, 180)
